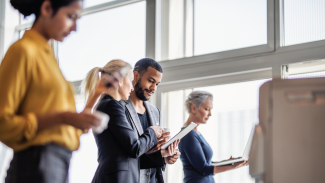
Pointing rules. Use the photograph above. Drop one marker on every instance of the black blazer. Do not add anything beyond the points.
(119, 148)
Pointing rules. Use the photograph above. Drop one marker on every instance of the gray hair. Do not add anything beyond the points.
(197, 98)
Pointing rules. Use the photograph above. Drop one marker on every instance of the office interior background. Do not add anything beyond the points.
(226, 47)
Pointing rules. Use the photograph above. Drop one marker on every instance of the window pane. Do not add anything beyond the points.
(89, 3)
(176, 30)
(308, 75)
(29, 19)
(221, 25)
(227, 131)
(304, 21)
(118, 33)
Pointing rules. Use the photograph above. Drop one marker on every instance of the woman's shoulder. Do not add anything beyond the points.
(20, 54)
(190, 138)
(192, 135)
(109, 103)
(23, 46)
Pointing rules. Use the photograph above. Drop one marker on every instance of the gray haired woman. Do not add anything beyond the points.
(196, 153)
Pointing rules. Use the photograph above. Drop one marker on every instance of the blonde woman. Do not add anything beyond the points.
(119, 148)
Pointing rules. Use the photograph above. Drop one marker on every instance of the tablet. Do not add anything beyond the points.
(179, 135)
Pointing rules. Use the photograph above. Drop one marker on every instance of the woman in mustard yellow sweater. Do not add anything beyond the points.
(38, 119)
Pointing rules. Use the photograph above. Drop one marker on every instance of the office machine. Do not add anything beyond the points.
(289, 142)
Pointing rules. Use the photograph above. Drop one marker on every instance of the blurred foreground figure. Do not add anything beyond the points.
(38, 119)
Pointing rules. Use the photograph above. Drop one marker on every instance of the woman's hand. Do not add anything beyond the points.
(83, 121)
(240, 164)
(171, 150)
(102, 87)
(219, 169)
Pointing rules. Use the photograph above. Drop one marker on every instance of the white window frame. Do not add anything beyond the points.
(189, 35)
(204, 70)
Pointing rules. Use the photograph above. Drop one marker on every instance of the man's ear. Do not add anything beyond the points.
(136, 76)
(46, 9)
(193, 109)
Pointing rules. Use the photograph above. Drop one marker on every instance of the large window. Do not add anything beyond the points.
(303, 21)
(221, 25)
(199, 27)
(117, 33)
(235, 112)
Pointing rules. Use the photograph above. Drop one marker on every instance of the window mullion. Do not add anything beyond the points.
(188, 28)
(151, 29)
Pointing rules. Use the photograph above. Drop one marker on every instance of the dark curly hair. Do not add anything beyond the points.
(28, 7)
(142, 65)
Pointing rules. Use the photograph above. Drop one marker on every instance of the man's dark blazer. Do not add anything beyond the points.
(154, 160)
(119, 148)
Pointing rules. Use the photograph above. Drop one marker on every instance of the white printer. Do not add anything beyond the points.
(289, 141)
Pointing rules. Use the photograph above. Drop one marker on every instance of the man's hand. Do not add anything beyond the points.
(158, 130)
(172, 159)
(161, 141)
(171, 150)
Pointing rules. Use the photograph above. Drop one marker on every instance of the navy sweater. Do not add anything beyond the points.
(196, 158)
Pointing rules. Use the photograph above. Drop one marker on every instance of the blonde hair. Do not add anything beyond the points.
(197, 98)
(88, 85)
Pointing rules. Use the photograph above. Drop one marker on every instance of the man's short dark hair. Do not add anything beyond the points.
(142, 65)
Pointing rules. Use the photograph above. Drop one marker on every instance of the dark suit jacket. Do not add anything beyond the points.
(119, 148)
(154, 160)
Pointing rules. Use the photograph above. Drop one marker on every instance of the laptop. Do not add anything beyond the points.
(243, 158)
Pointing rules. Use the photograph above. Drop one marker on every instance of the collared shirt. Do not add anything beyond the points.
(32, 85)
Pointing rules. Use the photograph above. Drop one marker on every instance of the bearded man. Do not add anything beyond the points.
(141, 114)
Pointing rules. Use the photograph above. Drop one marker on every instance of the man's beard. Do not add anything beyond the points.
(139, 92)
